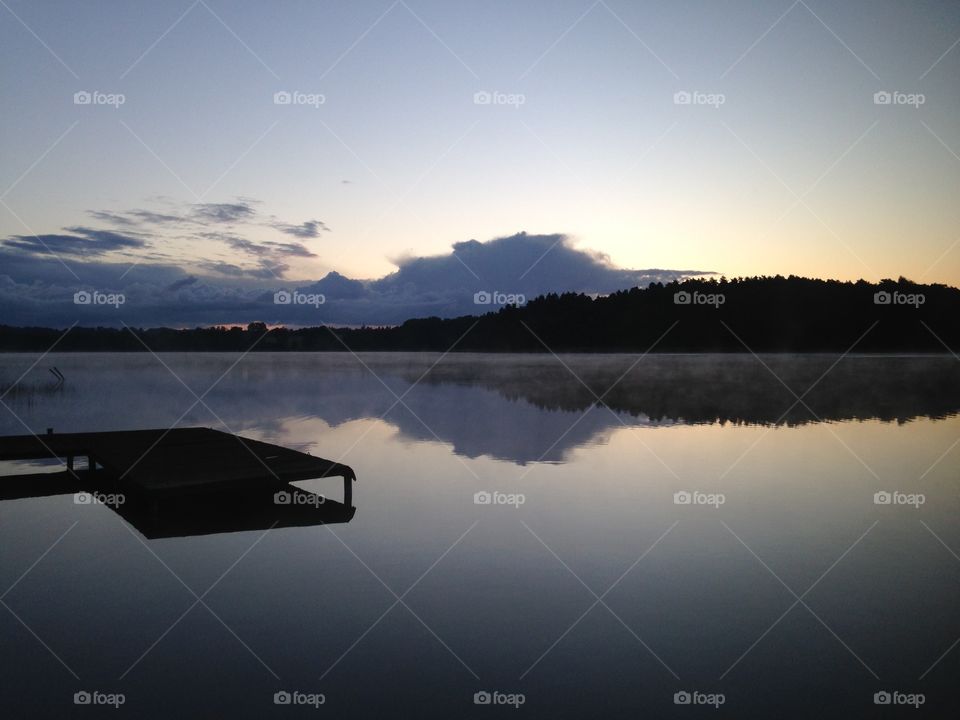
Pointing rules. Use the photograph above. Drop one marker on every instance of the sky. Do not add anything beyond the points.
(200, 154)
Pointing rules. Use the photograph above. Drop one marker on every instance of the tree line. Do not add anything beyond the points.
(759, 314)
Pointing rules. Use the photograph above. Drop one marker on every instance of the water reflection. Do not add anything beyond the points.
(184, 514)
(499, 596)
(519, 408)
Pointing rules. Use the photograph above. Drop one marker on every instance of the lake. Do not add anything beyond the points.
(542, 536)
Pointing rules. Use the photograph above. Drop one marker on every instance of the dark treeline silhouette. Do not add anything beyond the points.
(764, 314)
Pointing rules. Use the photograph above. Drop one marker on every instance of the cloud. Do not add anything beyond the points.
(241, 215)
(182, 283)
(240, 211)
(177, 226)
(82, 241)
(223, 268)
(224, 212)
(526, 264)
(134, 217)
(265, 269)
(155, 218)
(38, 289)
(308, 229)
(263, 248)
(444, 285)
(110, 217)
(291, 249)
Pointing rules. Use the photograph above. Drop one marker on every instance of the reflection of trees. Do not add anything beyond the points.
(725, 388)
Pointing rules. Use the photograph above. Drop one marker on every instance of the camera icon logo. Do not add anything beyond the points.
(281, 498)
(882, 97)
(282, 297)
(482, 698)
(482, 498)
(882, 298)
(882, 498)
(482, 97)
(682, 97)
(681, 298)
(482, 298)
(882, 698)
(282, 697)
(82, 297)
(82, 97)
(682, 698)
(282, 97)
(82, 698)
(82, 498)
(682, 497)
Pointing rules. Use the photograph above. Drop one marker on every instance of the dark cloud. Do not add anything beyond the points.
(308, 229)
(155, 218)
(224, 212)
(182, 283)
(265, 269)
(38, 289)
(444, 285)
(110, 217)
(339, 287)
(262, 249)
(107, 238)
(194, 218)
(291, 249)
(81, 241)
(521, 263)
(134, 217)
(223, 268)
(237, 243)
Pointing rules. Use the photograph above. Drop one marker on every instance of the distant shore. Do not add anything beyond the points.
(752, 315)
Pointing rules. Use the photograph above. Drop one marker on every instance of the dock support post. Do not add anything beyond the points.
(348, 491)
(70, 463)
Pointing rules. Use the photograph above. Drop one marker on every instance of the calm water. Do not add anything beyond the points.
(584, 586)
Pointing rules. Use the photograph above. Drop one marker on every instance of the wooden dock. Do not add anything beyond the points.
(178, 461)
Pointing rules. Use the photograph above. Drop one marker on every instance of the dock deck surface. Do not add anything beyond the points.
(178, 460)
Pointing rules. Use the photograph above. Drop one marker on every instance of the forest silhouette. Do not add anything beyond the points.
(759, 314)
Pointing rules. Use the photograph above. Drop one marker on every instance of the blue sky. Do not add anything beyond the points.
(782, 162)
